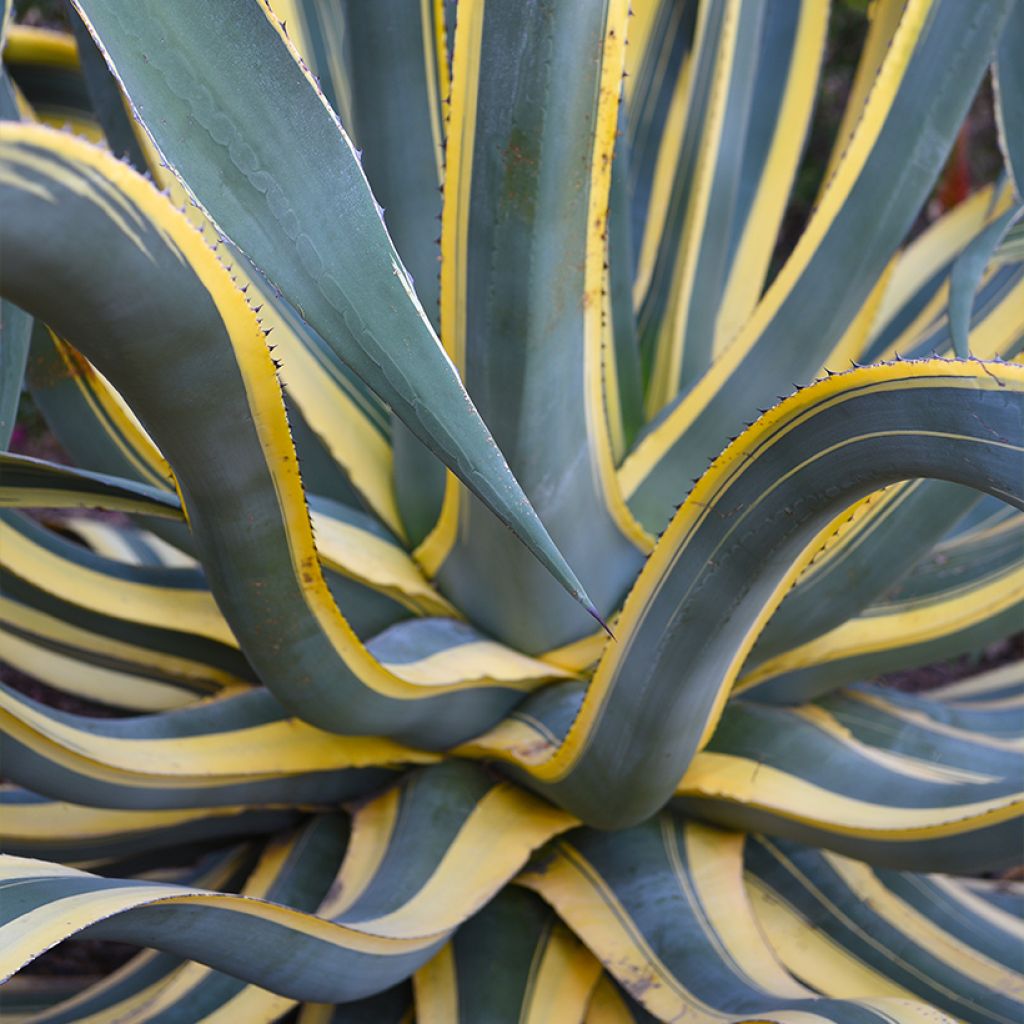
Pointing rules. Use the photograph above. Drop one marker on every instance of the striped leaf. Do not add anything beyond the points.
(128, 988)
(252, 174)
(845, 928)
(866, 550)
(616, 890)
(388, 909)
(246, 509)
(512, 962)
(27, 482)
(966, 275)
(15, 334)
(924, 86)
(737, 543)
(523, 252)
(81, 836)
(393, 1006)
(350, 544)
(799, 773)
(747, 109)
(966, 594)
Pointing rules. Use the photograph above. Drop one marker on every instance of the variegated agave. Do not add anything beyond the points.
(714, 816)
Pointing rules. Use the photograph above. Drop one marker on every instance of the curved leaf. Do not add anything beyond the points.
(221, 422)
(927, 80)
(27, 482)
(735, 546)
(349, 543)
(845, 928)
(966, 274)
(396, 71)
(742, 85)
(797, 772)
(876, 543)
(388, 909)
(919, 281)
(392, 1006)
(966, 594)
(88, 417)
(209, 755)
(80, 836)
(616, 890)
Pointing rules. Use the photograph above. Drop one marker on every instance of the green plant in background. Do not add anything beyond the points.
(372, 734)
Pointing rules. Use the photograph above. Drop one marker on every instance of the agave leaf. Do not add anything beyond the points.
(15, 323)
(922, 727)
(211, 755)
(396, 73)
(511, 962)
(99, 676)
(991, 703)
(54, 576)
(1008, 83)
(15, 334)
(623, 374)
(147, 595)
(797, 772)
(253, 176)
(318, 31)
(1011, 249)
(741, 79)
(884, 20)
(247, 510)
(918, 286)
(80, 836)
(125, 543)
(387, 911)
(610, 1005)
(49, 87)
(294, 870)
(80, 649)
(659, 68)
(788, 70)
(615, 890)
(340, 428)
(927, 80)
(995, 329)
(88, 416)
(393, 1006)
(349, 543)
(737, 543)
(523, 254)
(247, 939)
(127, 772)
(226, 871)
(27, 482)
(106, 99)
(966, 275)
(884, 932)
(867, 550)
(1001, 893)
(968, 593)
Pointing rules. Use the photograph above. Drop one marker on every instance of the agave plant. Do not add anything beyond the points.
(365, 750)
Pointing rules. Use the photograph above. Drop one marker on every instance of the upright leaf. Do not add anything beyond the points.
(279, 176)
